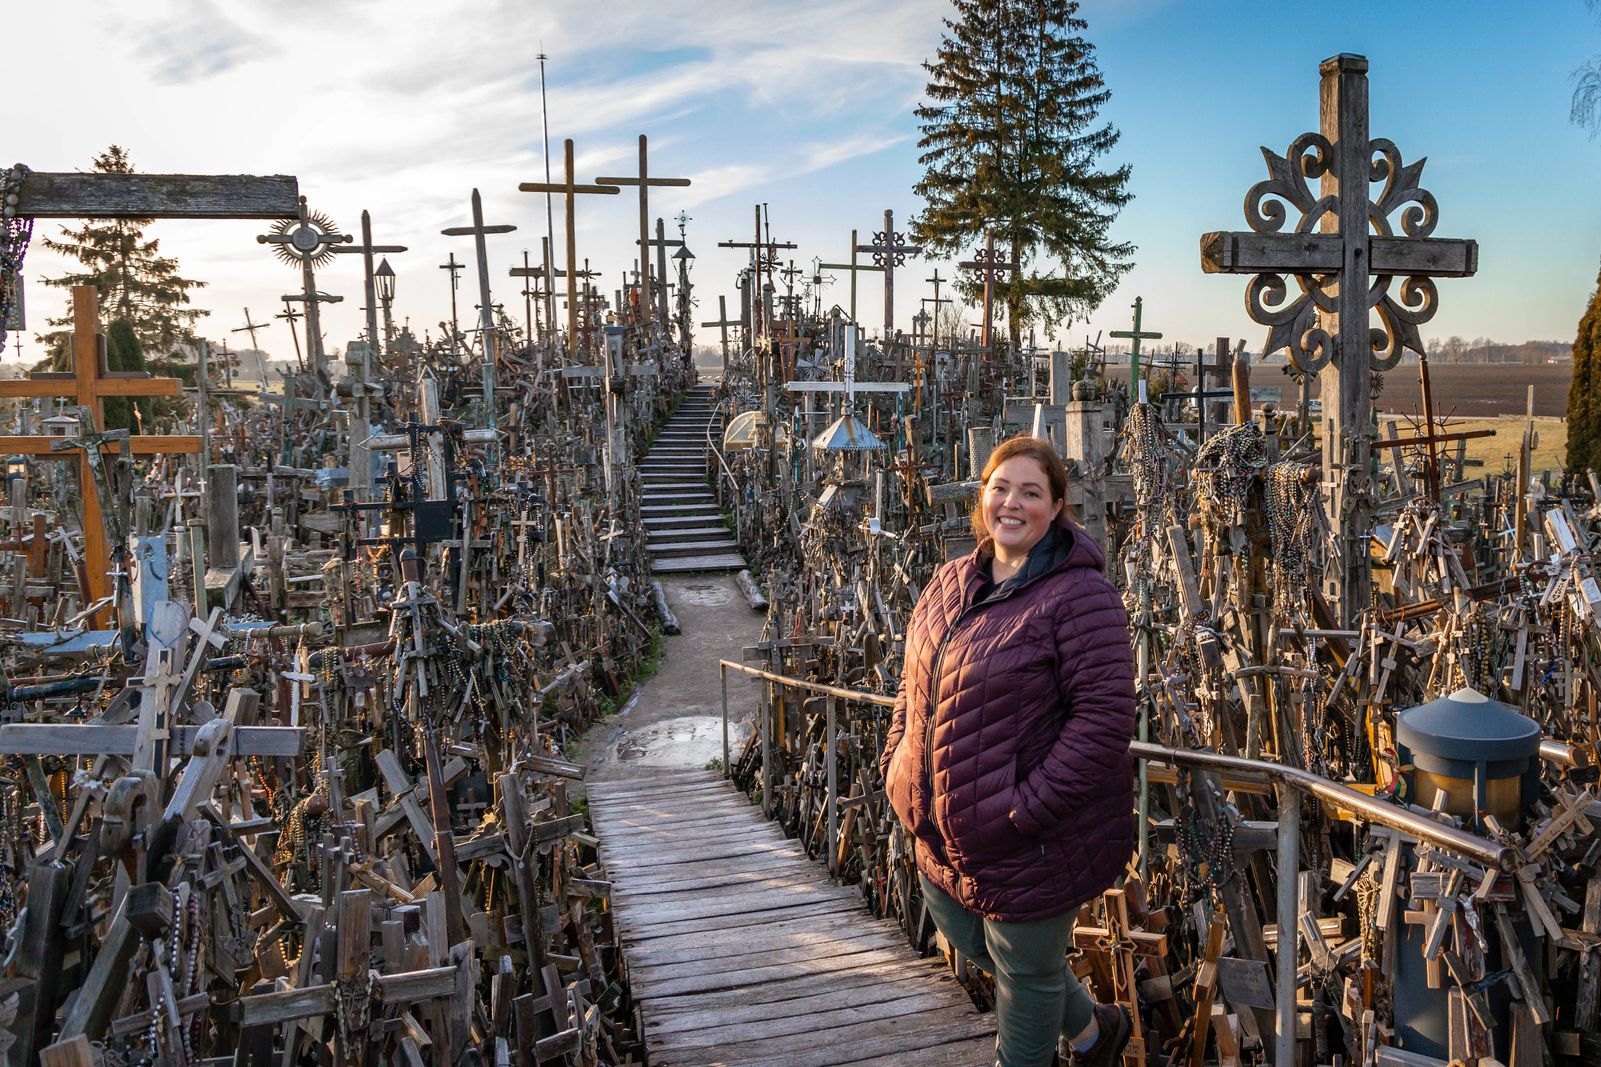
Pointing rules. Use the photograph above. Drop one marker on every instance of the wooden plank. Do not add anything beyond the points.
(771, 978)
(633, 931)
(863, 1040)
(738, 952)
(665, 980)
(911, 1011)
(56, 195)
(68, 739)
(684, 1013)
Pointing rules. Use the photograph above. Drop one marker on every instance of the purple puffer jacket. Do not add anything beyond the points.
(1022, 801)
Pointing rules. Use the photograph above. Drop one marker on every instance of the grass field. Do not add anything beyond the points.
(1500, 452)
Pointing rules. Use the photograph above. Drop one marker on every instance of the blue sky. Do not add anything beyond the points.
(403, 107)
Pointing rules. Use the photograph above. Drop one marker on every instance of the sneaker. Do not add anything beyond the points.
(1116, 1026)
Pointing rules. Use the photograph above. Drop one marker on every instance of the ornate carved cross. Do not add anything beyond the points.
(991, 267)
(1344, 254)
(889, 251)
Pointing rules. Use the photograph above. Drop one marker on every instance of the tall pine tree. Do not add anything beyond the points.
(1011, 143)
(136, 282)
(123, 352)
(1584, 392)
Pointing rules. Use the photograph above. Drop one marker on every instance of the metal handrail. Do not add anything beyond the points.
(1330, 792)
(726, 472)
(1287, 780)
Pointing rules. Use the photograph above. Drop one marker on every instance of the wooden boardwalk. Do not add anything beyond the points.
(741, 950)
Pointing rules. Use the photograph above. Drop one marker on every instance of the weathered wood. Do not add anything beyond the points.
(59, 195)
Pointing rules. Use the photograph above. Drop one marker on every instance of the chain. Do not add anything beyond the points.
(13, 243)
(1290, 499)
(1225, 466)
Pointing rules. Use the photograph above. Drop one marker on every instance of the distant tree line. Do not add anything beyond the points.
(1455, 349)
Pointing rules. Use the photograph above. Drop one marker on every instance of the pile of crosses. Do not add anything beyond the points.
(283, 700)
(1367, 682)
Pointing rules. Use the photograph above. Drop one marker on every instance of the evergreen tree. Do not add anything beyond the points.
(123, 352)
(1010, 144)
(136, 282)
(1584, 403)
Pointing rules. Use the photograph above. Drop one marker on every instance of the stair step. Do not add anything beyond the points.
(665, 523)
(663, 511)
(721, 561)
(690, 548)
(667, 538)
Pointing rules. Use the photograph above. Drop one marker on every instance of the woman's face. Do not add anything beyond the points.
(1018, 508)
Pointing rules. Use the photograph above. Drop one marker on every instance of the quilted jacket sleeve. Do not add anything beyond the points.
(1095, 673)
(897, 730)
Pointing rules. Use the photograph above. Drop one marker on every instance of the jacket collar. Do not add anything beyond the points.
(1065, 545)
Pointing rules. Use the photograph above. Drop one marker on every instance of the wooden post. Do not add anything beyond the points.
(222, 516)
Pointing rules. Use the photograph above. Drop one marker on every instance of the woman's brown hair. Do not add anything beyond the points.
(1037, 449)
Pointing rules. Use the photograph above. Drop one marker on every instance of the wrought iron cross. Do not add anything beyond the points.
(889, 251)
(1345, 256)
(991, 267)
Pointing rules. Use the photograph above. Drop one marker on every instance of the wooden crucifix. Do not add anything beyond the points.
(486, 310)
(936, 300)
(889, 251)
(360, 458)
(1344, 254)
(661, 244)
(854, 267)
(88, 385)
(454, 268)
(990, 266)
(1134, 336)
(723, 323)
(570, 190)
(644, 181)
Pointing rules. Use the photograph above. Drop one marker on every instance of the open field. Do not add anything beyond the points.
(1478, 390)
(1501, 450)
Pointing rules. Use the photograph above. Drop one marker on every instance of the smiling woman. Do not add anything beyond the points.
(1007, 757)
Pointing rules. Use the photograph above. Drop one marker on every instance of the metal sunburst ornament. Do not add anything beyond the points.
(309, 238)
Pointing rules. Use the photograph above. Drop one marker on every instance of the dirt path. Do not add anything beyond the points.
(674, 721)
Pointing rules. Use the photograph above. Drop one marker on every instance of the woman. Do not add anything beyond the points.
(1008, 754)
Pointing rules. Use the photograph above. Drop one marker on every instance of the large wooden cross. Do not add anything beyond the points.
(360, 458)
(889, 250)
(723, 322)
(486, 310)
(1344, 254)
(644, 181)
(88, 385)
(571, 190)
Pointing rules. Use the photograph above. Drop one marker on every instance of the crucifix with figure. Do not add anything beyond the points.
(138, 196)
(571, 190)
(1345, 255)
(88, 385)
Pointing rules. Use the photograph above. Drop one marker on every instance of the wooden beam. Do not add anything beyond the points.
(140, 445)
(107, 385)
(1321, 253)
(71, 739)
(164, 196)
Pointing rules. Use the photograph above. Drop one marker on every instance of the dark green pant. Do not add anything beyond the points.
(1037, 996)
